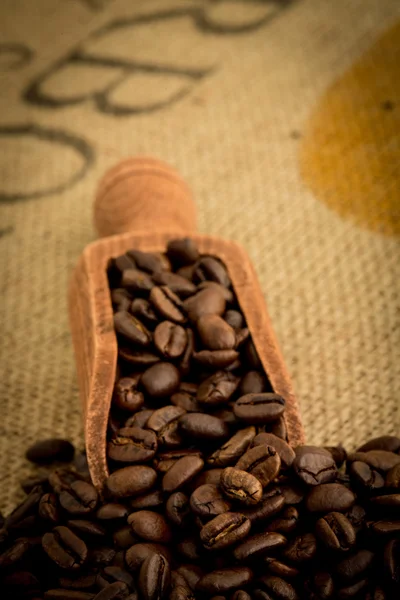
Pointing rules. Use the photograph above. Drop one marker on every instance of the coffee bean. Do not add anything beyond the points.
(386, 528)
(64, 548)
(165, 422)
(285, 452)
(101, 556)
(338, 453)
(353, 591)
(131, 481)
(186, 401)
(60, 594)
(136, 281)
(224, 530)
(182, 252)
(259, 545)
(137, 554)
(132, 445)
(48, 451)
(154, 577)
(177, 509)
(208, 501)
(48, 508)
(209, 301)
(271, 504)
(302, 549)
(131, 329)
(390, 443)
(235, 319)
(161, 380)
(143, 311)
(278, 428)
(152, 499)
(251, 355)
(355, 566)
(226, 292)
(261, 461)
(202, 427)
(137, 358)
(150, 526)
(126, 395)
(215, 333)
(381, 460)
(281, 569)
(336, 532)
(241, 486)
(166, 460)
(330, 497)
(191, 549)
(116, 266)
(217, 389)
(224, 580)
(151, 262)
(176, 283)
(167, 304)
(320, 586)
(233, 448)
(114, 591)
(258, 409)
(314, 465)
(82, 527)
(170, 339)
(112, 511)
(275, 588)
(213, 477)
(254, 382)
(139, 419)
(15, 553)
(182, 472)
(391, 558)
(80, 499)
(365, 477)
(121, 299)
(286, 522)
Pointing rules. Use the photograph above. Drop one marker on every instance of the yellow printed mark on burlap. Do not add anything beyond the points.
(350, 153)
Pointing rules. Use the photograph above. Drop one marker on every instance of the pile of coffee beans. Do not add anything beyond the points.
(205, 499)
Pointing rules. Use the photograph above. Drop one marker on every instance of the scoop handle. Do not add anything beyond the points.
(143, 194)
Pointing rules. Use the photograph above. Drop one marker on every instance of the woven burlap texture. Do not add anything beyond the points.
(226, 95)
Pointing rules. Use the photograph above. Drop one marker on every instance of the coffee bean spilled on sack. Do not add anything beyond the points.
(205, 498)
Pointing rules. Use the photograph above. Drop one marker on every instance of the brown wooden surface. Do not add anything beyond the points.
(91, 316)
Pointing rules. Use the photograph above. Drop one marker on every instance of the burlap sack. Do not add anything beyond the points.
(284, 118)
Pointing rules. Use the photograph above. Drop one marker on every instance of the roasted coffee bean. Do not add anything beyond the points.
(234, 318)
(203, 427)
(177, 509)
(131, 329)
(131, 481)
(170, 339)
(215, 333)
(182, 252)
(136, 281)
(126, 395)
(293, 493)
(224, 580)
(85, 528)
(314, 465)
(186, 401)
(353, 591)
(336, 532)
(217, 389)
(365, 477)
(121, 299)
(355, 566)
(208, 501)
(329, 497)
(133, 445)
(115, 574)
(114, 591)
(160, 380)
(191, 549)
(213, 476)
(124, 538)
(381, 460)
(209, 301)
(286, 453)
(391, 558)
(143, 311)
(152, 499)
(258, 409)
(154, 577)
(338, 453)
(151, 262)
(215, 359)
(150, 526)
(259, 545)
(80, 499)
(40, 478)
(48, 508)
(281, 569)
(176, 283)
(274, 588)
(112, 511)
(251, 356)
(229, 453)
(167, 304)
(226, 292)
(271, 504)
(387, 528)
(15, 553)
(137, 554)
(101, 556)
(137, 358)
(241, 486)
(393, 478)
(261, 461)
(224, 530)
(182, 472)
(139, 419)
(254, 382)
(320, 586)
(278, 428)
(48, 451)
(390, 443)
(165, 422)
(302, 549)
(286, 522)
(60, 594)
(65, 548)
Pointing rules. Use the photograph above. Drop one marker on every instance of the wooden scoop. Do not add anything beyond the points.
(142, 203)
